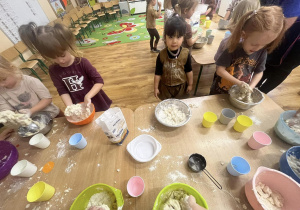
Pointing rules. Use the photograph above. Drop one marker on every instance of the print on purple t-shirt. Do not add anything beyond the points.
(77, 80)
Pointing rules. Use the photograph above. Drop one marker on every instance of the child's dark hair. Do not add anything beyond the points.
(175, 26)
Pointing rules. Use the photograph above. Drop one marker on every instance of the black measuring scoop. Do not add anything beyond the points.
(197, 163)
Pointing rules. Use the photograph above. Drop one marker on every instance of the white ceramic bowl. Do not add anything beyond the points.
(258, 97)
(183, 107)
(143, 148)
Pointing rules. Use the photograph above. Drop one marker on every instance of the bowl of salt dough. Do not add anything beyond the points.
(8, 157)
(99, 196)
(290, 163)
(172, 113)
(272, 189)
(244, 100)
(284, 131)
(174, 196)
(41, 123)
(79, 114)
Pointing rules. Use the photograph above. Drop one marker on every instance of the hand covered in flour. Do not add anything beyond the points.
(156, 93)
(6, 133)
(193, 205)
(87, 101)
(245, 86)
(26, 111)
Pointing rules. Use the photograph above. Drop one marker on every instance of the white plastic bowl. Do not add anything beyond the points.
(143, 148)
(181, 106)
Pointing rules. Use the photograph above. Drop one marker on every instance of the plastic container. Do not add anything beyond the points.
(209, 118)
(208, 32)
(8, 157)
(143, 148)
(23, 168)
(83, 198)
(178, 186)
(210, 39)
(135, 186)
(242, 123)
(284, 164)
(259, 139)
(226, 116)
(87, 120)
(238, 166)
(276, 180)
(40, 191)
(39, 141)
(207, 23)
(78, 141)
(284, 132)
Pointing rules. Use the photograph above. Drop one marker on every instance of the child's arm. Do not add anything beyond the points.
(66, 98)
(6, 133)
(156, 83)
(189, 76)
(159, 9)
(255, 79)
(42, 104)
(208, 11)
(95, 89)
(221, 71)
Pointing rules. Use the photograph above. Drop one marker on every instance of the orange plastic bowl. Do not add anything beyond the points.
(86, 120)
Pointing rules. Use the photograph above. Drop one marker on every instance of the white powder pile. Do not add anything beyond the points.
(147, 130)
(269, 199)
(71, 164)
(172, 115)
(105, 200)
(176, 175)
(295, 164)
(13, 118)
(77, 112)
(61, 148)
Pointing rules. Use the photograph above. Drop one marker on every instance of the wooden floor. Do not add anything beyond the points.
(128, 73)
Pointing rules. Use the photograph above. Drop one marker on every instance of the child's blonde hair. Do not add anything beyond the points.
(184, 4)
(265, 19)
(49, 41)
(242, 8)
(8, 69)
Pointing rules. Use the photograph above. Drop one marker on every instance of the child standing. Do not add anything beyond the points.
(75, 79)
(186, 8)
(244, 61)
(151, 15)
(23, 93)
(210, 9)
(173, 74)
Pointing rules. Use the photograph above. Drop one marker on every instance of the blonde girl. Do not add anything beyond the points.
(23, 93)
(243, 62)
(242, 8)
(151, 16)
(75, 79)
(186, 8)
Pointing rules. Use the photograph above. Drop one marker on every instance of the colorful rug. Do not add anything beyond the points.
(126, 29)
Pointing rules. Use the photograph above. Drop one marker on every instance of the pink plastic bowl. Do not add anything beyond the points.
(278, 181)
(259, 139)
(135, 186)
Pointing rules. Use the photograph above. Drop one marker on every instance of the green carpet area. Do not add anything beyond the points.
(125, 29)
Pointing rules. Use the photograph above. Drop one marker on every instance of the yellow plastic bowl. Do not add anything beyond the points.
(242, 123)
(40, 191)
(83, 198)
(179, 186)
(209, 118)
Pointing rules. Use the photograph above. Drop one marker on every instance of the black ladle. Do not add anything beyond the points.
(197, 163)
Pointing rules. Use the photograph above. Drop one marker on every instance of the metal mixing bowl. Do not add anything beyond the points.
(33, 128)
(257, 96)
(183, 107)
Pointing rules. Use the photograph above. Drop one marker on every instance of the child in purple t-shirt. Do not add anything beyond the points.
(75, 79)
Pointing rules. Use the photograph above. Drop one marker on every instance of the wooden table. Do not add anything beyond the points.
(99, 162)
(205, 55)
(217, 144)
(74, 169)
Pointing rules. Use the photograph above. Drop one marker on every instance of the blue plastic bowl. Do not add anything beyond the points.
(284, 132)
(238, 166)
(8, 157)
(284, 165)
